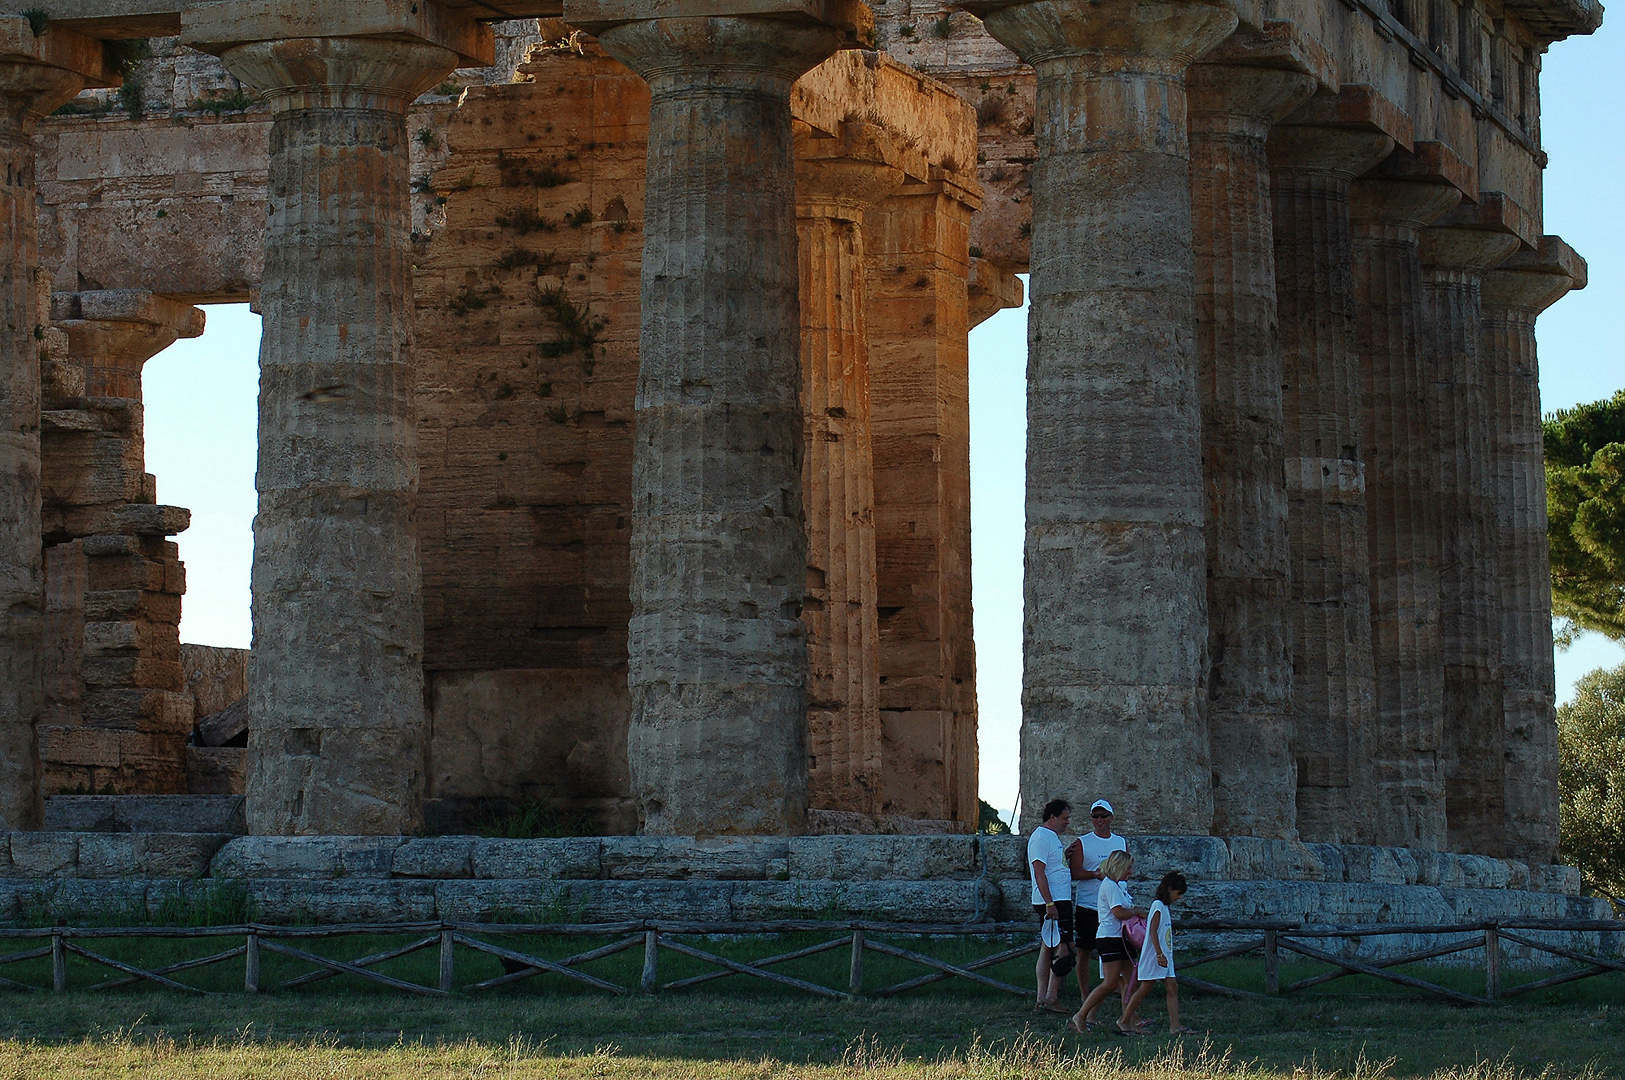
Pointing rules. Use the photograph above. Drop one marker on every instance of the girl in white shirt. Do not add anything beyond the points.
(1112, 906)
(1157, 958)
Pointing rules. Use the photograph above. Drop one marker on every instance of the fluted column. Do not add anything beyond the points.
(1513, 296)
(338, 742)
(1388, 213)
(718, 736)
(1233, 104)
(1115, 590)
(836, 180)
(1314, 155)
(1454, 259)
(37, 73)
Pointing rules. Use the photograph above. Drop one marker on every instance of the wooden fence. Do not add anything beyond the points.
(251, 941)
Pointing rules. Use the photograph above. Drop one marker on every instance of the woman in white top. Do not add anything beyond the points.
(1112, 905)
(1157, 958)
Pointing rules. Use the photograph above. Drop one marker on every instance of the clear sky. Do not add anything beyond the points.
(200, 399)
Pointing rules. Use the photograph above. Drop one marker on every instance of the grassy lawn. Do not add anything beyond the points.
(737, 1027)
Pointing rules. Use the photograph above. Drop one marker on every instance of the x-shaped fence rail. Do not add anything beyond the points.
(858, 937)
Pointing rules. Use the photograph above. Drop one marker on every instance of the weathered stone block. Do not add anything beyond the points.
(1015, 898)
(1003, 856)
(1378, 865)
(1333, 864)
(1199, 858)
(145, 813)
(44, 854)
(518, 900)
(147, 855)
(730, 858)
(1469, 904)
(1254, 858)
(435, 857)
(279, 900)
(889, 901)
(842, 858)
(306, 857)
(1554, 878)
(568, 857)
(1483, 872)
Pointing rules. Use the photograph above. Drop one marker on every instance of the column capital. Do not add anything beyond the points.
(1475, 236)
(1412, 188)
(39, 71)
(339, 73)
(1279, 46)
(689, 55)
(842, 175)
(115, 332)
(1140, 35)
(1344, 134)
(1533, 280)
(219, 26)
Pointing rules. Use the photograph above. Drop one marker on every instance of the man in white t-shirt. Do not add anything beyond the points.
(1051, 875)
(1085, 855)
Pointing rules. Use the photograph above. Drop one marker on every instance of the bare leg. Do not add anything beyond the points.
(1046, 992)
(1126, 1021)
(1173, 1006)
(1084, 957)
(1113, 972)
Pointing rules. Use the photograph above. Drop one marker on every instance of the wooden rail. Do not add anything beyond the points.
(655, 936)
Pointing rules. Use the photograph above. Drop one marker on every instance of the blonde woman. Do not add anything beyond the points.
(1112, 905)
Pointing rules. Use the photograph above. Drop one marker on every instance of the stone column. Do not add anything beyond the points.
(133, 713)
(1116, 609)
(1455, 255)
(1236, 95)
(1314, 154)
(1388, 211)
(1513, 295)
(338, 739)
(918, 245)
(837, 179)
(718, 660)
(37, 73)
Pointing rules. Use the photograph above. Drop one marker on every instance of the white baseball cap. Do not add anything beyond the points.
(1102, 804)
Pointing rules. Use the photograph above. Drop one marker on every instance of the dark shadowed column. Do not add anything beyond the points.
(1115, 589)
(837, 178)
(37, 73)
(1389, 210)
(1455, 254)
(1236, 94)
(338, 738)
(1314, 155)
(1513, 296)
(718, 658)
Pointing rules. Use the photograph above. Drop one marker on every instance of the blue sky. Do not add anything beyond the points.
(201, 410)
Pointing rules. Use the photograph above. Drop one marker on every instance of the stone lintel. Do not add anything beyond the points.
(860, 141)
(937, 122)
(596, 16)
(108, 20)
(1281, 45)
(1356, 107)
(992, 288)
(55, 47)
(217, 26)
(1494, 212)
(127, 305)
(1429, 162)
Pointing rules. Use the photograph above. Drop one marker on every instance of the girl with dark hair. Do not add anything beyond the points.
(1157, 958)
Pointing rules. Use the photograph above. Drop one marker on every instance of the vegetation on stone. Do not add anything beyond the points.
(1585, 494)
(1591, 779)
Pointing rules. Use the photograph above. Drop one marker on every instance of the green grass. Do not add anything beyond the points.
(546, 1027)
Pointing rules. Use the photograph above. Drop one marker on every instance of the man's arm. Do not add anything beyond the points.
(1041, 879)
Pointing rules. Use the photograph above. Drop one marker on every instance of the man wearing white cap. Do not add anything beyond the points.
(1085, 855)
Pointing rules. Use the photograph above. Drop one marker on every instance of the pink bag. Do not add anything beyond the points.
(1134, 930)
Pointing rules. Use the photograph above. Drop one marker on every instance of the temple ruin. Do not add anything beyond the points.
(614, 420)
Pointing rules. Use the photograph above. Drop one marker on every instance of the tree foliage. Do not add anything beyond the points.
(1585, 495)
(1591, 778)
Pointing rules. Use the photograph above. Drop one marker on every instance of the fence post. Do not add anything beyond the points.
(59, 964)
(1272, 963)
(446, 970)
(1492, 962)
(251, 964)
(651, 960)
(854, 982)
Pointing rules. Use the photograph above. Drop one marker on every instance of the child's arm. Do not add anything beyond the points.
(1156, 941)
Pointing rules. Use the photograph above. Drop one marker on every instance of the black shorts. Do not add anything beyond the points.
(1111, 949)
(1063, 915)
(1087, 921)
